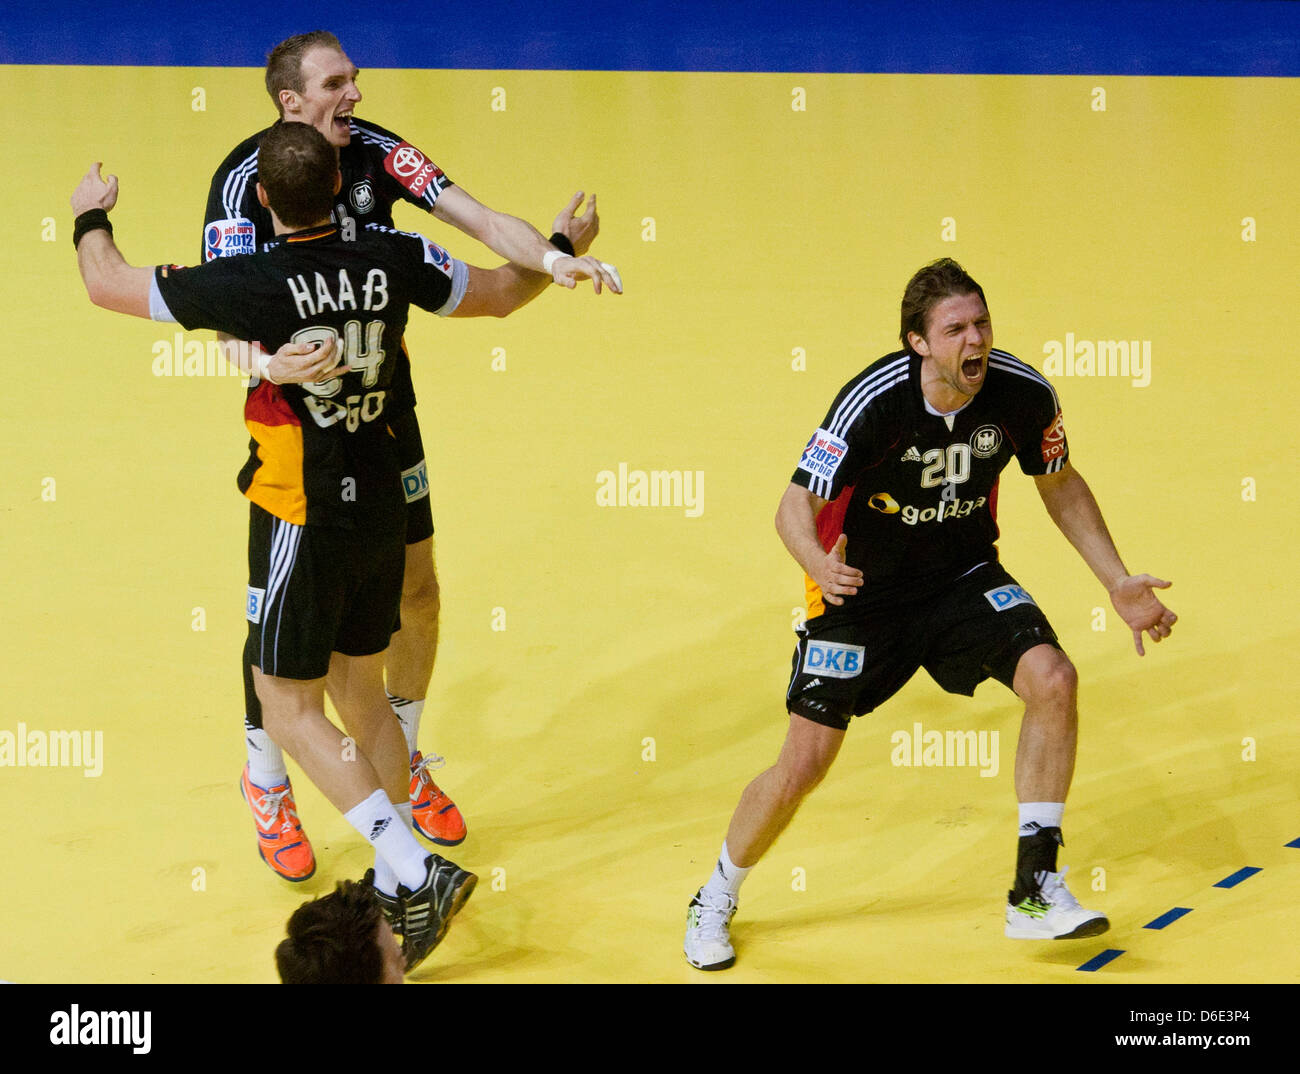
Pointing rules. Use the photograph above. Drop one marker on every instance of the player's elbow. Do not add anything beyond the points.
(98, 294)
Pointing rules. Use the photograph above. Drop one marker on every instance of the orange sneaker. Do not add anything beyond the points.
(434, 815)
(280, 838)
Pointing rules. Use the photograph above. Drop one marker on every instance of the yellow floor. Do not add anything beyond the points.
(598, 743)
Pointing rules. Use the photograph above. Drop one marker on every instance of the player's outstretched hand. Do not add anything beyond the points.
(93, 192)
(837, 578)
(1140, 608)
(567, 271)
(305, 363)
(580, 230)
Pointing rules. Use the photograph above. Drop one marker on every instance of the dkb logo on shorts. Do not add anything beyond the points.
(415, 482)
(1008, 596)
(833, 660)
(253, 609)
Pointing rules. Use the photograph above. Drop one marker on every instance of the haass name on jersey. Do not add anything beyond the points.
(311, 303)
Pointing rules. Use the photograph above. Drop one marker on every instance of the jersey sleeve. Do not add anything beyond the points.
(1041, 444)
(206, 296)
(405, 172)
(837, 452)
(234, 222)
(437, 281)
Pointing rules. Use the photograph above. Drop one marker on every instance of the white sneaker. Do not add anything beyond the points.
(708, 936)
(1053, 913)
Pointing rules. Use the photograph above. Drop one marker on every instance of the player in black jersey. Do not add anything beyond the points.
(311, 80)
(892, 514)
(328, 517)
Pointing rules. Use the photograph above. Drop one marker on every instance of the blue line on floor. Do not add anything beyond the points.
(1168, 918)
(1096, 963)
(1237, 877)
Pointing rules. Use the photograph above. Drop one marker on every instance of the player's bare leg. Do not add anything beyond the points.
(420, 892)
(1039, 905)
(293, 713)
(767, 806)
(1048, 685)
(773, 797)
(411, 656)
(414, 649)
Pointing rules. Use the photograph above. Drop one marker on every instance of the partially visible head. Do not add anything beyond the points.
(311, 80)
(298, 172)
(341, 938)
(931, 285)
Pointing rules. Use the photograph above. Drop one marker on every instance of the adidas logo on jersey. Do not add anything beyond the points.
(378, 829)
(911, 455)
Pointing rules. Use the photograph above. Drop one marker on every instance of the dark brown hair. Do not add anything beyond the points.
(931, 285)
(284, 64)
(334, 939)
(298, 168)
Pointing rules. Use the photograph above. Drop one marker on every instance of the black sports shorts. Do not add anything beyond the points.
(978, 627)
(415, 476)
(313, 591)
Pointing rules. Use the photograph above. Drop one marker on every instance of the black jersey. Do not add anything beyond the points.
(378, 169)
(917, 499)
(321, 454)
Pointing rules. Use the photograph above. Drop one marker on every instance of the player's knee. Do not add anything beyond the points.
(1050, 677)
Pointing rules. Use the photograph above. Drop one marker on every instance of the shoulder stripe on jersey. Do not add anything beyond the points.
(853, 403)
(1009, 363)
(232, 193)
(822, 486)
(375, 139)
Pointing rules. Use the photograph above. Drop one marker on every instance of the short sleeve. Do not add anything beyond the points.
(206, 296)
(1041, 444)
(409, 174)
(437, 280)
(837, 451)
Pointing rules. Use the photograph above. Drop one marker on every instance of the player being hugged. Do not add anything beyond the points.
(891, 514)
(327, 528)
(311, 81)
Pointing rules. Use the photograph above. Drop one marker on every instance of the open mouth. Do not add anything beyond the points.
(343, 121)
(972, 368)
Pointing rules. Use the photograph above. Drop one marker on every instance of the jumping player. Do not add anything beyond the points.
(311, 80)
(891, 513)
(328, 518)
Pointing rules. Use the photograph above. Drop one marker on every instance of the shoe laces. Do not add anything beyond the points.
(279, 806)
(1054, 892)
(715, 911)
(422, 766)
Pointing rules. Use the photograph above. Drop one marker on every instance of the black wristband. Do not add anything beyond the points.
(90, 220)
(561, 242)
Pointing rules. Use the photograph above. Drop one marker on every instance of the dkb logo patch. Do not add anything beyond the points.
(833, 660)
(1007, 596)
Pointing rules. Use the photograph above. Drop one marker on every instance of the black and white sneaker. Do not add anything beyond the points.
(708, 930)
(389, 905)
(427, 911)
(1052, 913)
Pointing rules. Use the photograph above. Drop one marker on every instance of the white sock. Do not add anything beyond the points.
(385, 877)
(265, 759)
(727, 876)
(1035, 815)
(383, 828)
(408, 715)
